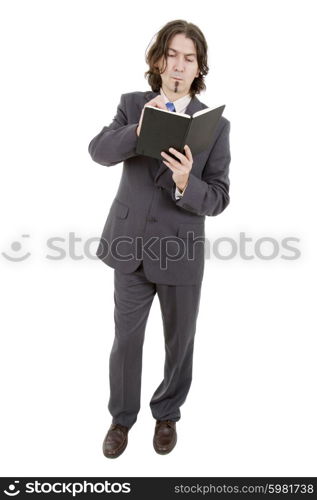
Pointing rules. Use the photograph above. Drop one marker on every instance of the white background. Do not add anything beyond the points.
(251, 410)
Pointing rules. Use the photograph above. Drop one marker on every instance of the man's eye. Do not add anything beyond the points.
(172, 55)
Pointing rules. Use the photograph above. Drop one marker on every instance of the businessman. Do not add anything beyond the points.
(154, 234)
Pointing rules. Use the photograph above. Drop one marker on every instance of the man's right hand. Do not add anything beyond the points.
(157, 102)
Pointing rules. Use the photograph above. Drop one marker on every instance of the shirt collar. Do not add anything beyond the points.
(180, 104)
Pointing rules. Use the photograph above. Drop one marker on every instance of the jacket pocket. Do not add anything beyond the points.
(190, 230)
(121, 210)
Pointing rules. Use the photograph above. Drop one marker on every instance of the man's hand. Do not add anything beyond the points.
(157, 102)
(181, 170)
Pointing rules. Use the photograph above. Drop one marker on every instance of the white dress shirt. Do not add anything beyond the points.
(180, 107)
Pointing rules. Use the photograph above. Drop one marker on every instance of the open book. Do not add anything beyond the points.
(162, 129)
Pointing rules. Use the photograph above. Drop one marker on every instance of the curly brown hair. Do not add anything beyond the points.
(159, 48)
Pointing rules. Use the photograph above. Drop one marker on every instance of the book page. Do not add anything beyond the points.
(206, 110)
(167, 111)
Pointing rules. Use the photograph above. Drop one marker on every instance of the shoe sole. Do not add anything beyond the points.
(164, 452)
(118, 453)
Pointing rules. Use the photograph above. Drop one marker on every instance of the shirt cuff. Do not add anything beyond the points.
(179, 194)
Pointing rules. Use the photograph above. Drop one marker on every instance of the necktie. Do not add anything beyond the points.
(170, 106)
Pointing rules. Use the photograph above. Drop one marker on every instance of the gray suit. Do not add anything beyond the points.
(145, 204)
(155, 243)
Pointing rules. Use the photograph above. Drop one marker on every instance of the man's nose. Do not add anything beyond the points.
(179, 65)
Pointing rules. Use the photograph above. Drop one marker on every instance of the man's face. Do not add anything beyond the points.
(181, 62)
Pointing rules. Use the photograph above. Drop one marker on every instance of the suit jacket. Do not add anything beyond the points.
(146, 222)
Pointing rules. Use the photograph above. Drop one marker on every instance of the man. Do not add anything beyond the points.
(163, 204)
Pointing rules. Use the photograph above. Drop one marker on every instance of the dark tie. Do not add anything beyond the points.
(170, 106)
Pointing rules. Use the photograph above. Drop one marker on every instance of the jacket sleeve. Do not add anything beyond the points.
(210, 194)
(116, 142)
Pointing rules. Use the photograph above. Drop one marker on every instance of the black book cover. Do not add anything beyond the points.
(162, 129)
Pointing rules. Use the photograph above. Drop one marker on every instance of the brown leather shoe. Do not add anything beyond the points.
(165, 436)
(115, 441)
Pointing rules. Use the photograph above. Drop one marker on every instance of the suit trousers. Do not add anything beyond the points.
(133, 297)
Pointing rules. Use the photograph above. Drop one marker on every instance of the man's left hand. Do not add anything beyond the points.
(181, 169)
